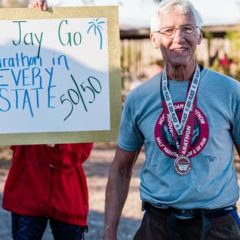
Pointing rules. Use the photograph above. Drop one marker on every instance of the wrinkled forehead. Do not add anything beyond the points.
(176, 16)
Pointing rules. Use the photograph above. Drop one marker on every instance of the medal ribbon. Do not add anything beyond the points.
(186, 138)
(184, 129)
(179, 126)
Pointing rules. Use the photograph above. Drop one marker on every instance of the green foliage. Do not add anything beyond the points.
(234, 37)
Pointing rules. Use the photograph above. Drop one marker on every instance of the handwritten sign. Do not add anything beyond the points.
(59, 77)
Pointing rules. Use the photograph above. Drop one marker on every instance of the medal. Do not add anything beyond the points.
(182, 165)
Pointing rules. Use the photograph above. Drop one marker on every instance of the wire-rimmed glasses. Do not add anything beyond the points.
(169, 32)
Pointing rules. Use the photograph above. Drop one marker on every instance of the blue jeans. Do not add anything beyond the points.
(32, 228)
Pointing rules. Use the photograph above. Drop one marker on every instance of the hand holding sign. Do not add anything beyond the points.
(41, 4)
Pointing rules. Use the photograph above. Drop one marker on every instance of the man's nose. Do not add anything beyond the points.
(178, 35)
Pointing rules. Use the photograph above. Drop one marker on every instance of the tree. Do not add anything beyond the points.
(97, 28)
(234, 37)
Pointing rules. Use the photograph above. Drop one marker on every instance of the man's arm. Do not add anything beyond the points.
(120, 174)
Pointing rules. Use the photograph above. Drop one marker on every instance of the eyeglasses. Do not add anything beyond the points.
(169, 32)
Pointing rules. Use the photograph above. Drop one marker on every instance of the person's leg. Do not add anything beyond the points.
(152, 228)
(28, 228)
(65, 231)
(224, 228)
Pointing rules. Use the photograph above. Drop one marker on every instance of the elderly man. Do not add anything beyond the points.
(188, 119)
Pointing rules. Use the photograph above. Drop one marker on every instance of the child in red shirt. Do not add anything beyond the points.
(48, 182)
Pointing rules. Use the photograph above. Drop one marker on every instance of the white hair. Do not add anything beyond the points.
(169, 5)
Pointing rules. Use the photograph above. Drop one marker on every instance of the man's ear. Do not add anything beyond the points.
(200, 37)
(154, 40)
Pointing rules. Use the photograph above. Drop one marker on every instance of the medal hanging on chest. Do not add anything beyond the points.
(182, 130)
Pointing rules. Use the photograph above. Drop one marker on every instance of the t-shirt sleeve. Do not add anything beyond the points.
(130, 137)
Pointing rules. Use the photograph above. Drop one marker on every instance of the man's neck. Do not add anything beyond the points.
(180, 73)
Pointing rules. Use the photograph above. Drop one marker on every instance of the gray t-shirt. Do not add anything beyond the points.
(212, 181)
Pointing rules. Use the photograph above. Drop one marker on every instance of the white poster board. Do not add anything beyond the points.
(55, 77)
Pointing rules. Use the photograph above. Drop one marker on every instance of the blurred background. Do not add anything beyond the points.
(220, 50)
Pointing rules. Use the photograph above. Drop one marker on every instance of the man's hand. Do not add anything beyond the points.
(120, 174)
(40, 4)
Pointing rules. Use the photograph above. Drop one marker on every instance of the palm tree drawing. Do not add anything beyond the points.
(97, 28)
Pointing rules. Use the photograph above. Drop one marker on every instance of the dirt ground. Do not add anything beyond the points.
(96, 169)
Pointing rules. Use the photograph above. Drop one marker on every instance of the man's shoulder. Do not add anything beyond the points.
(219, 78)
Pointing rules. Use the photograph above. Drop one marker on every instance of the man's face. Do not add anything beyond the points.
(177, 48)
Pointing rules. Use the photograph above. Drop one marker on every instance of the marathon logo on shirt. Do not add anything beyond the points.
(166, 142)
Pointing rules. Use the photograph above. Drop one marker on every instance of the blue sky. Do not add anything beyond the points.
(138, 12)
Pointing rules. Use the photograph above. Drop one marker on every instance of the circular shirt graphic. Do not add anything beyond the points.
(165, 140)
